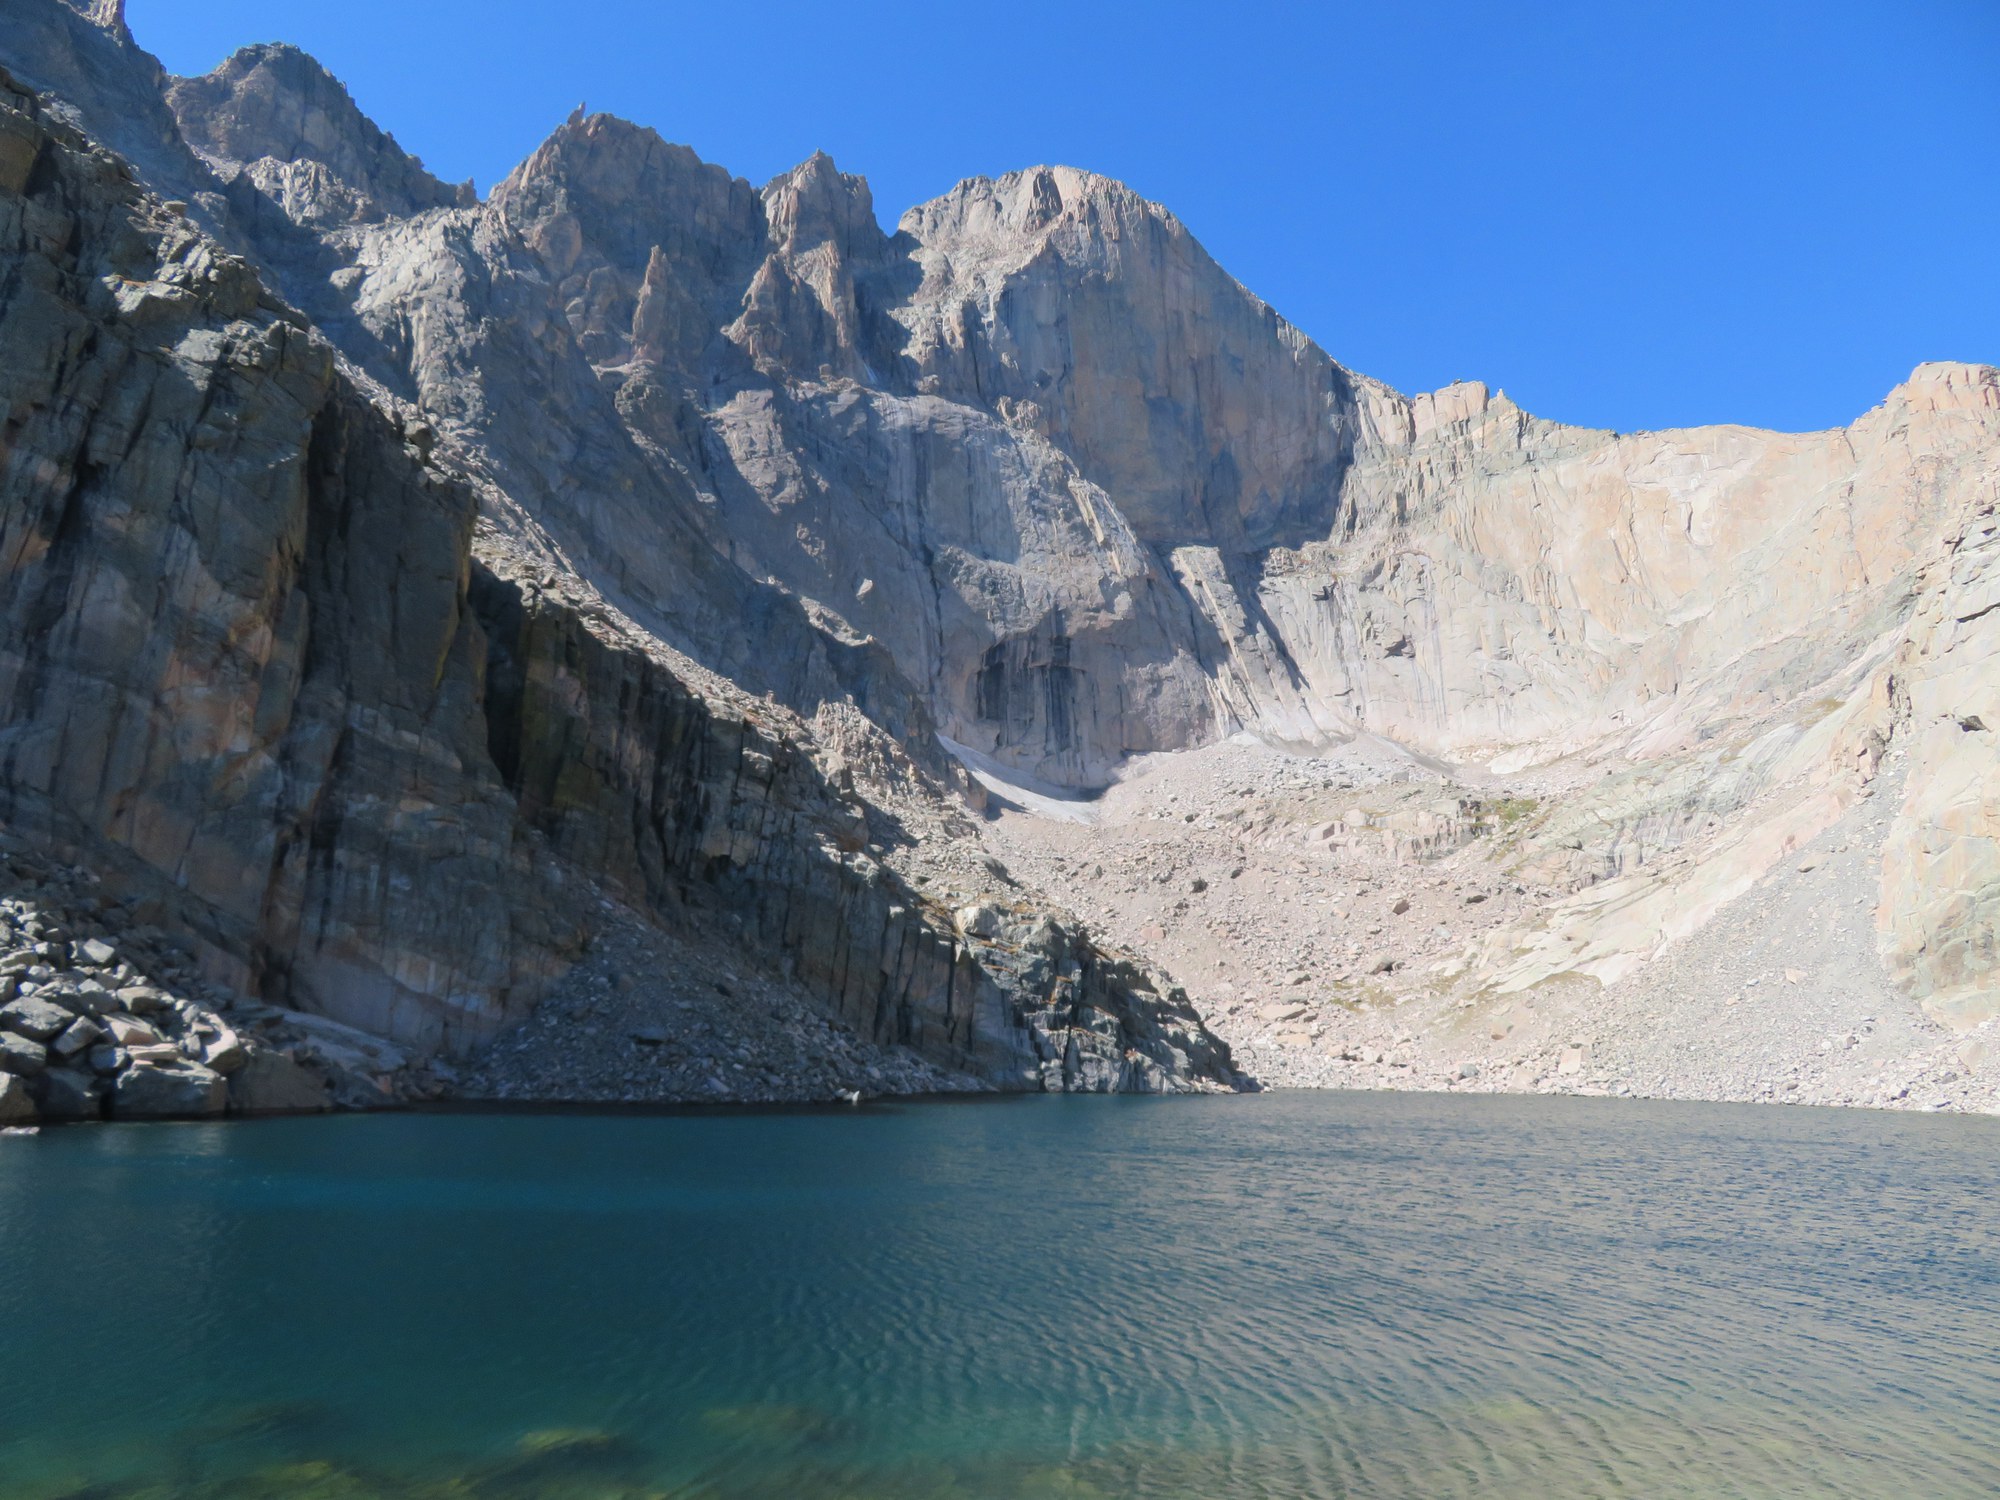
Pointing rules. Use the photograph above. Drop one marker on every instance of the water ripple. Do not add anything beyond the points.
(1278, 1296)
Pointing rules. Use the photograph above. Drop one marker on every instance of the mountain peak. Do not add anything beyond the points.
(816, 202)
(110, 14)
(271, 106)
(1030, 201)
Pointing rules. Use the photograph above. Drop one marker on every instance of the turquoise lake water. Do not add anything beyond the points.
(1358, 1295)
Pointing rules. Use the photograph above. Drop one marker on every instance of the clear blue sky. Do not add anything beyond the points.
(1628, 213)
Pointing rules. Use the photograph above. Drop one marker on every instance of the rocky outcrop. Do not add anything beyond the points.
(274, 115)
(99, 1015)
(81, 54)
(757, 361)
(1095, 500)
(1094, 319)
(682, 805)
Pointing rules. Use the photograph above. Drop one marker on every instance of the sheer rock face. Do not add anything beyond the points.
(235, 643)
(749, 341)
(1093, 318)
(80, 54)
(1094, 499)
(601, 203)
(275, 115)
(1940, 907)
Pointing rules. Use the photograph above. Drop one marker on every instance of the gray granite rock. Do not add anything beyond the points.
(271, 1083)
(275, 116)
(20, 1056)
(225, 1053)
(69, 1094)
(17, 1103)
(572, 531)
(77, 1039)
(37, 1019)
(154, 1091)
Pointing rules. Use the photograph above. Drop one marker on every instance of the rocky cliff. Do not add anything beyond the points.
(711, 532)
(257, 667)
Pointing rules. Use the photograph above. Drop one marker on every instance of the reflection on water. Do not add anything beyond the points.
(1289, 1295)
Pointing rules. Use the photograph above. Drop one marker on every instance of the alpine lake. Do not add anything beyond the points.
(1276, 1295)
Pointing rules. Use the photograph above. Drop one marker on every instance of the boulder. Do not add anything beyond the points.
(97, 951)
(979, 920)
(88, 996)
(225, 1053)
(69, 1094)
(81, 1034)
(17, 1105)
(130, 1031)
(269, 1083)
(19, 1055)
(166, 1091)
(35, 1018)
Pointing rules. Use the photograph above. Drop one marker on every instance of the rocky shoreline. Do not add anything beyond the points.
(102, 1015)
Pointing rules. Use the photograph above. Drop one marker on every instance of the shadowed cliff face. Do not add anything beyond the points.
(236, 643)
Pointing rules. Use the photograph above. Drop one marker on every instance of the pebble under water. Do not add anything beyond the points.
(1380, 1295)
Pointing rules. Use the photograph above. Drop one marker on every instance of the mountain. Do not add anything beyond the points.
(398, 578)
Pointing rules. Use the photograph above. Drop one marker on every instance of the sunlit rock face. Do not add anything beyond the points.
(1095, 499)
(276, 116)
